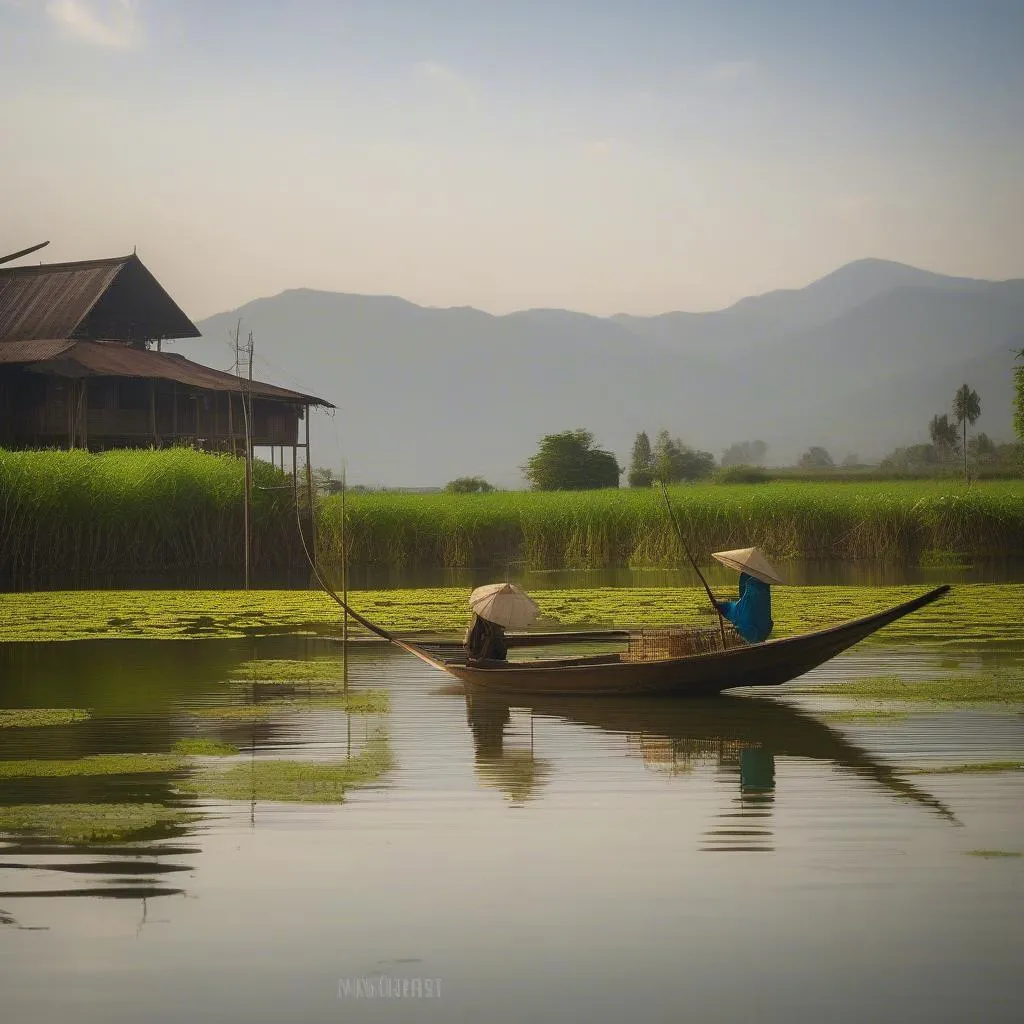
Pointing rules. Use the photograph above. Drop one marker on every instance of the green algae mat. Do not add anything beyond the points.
(970, 614)
(100, 823)
(35, 718)
(1004, 686)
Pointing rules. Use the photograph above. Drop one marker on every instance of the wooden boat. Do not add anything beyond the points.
(698, 675)
(764, 664)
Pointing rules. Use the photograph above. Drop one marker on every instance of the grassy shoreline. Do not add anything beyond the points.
(177, 513)
(907, 522)
(75, 515)
(969, 615)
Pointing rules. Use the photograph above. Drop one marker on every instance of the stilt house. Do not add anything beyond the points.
(82, 365)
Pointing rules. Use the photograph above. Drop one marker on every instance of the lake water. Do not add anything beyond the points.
(753, 858)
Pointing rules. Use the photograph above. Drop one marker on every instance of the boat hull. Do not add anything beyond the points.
(765, 664)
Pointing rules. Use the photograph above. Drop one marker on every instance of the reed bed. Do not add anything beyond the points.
(900, 522)
(131, 516)
(75, 515)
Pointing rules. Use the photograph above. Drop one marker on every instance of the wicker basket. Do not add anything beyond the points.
(678, 642)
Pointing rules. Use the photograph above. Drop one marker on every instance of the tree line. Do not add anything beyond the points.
(572, 460)
(949, 440)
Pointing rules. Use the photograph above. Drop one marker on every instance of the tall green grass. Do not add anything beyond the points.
(75, 515)
(893, 521)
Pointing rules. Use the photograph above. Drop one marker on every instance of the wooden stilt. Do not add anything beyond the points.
(83, 411)
(309, 489)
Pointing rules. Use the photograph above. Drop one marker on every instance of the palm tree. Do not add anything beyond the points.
(966, 409)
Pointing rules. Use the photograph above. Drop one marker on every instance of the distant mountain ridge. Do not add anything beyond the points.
(785, 310)
(857, 361)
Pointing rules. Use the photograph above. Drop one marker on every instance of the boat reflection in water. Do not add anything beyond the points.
(512, 768)
(740, 736)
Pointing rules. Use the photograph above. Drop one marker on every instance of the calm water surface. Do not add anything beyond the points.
(749, 858)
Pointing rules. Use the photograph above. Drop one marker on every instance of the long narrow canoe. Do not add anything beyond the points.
(764, 664)
(697, 675)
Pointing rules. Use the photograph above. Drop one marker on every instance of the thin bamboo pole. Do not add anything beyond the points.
(679, 534)
(295, 479)
(344, 581)
(245, 394)
(247, 407)
(83, 412)
(309, 490)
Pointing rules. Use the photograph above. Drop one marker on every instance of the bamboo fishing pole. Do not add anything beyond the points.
(380, 631)
(682, 542)
(344, 583)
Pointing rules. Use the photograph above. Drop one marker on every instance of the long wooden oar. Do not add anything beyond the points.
(679, 534)
(361, 619)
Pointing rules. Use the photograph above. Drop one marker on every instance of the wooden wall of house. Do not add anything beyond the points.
(22, 408)
(120, 412)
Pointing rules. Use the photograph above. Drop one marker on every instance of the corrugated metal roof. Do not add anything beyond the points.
(31, 351)
(55, 300)
(112, 359)
(51, 301)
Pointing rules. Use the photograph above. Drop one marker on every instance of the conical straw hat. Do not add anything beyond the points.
(751, 561)
(505, 604)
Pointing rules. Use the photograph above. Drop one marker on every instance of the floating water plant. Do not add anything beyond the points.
(999, 688)
(872, 716)
(288, 676)
(969, 615)
(82, 823)
(203, 746)
(968, 768)
(355, 702)
(367, 702)
(94, 764)
(281, 670)
(322, 782)
(31, 718)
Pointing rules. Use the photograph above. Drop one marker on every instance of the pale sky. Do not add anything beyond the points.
(632, 156)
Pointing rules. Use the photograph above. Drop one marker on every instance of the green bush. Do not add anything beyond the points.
(742, 475)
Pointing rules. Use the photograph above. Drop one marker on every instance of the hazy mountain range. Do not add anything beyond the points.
(858, 361)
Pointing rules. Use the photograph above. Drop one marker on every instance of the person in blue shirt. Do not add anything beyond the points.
(751, 612)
